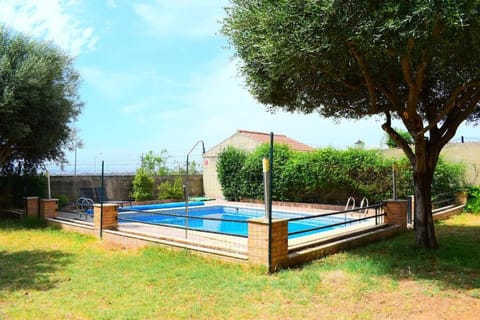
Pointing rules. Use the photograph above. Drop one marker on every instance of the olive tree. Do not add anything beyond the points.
(416, 61)
(38, 102)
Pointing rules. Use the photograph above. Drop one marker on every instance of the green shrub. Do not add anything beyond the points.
(448, 177)
(326, 175)
(229, 172)
(252, 172)
(62, 200)
(404, 134)
(169, 190)
(142, 186)
(473, 202)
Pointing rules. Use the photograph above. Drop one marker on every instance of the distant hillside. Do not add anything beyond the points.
(467, 153)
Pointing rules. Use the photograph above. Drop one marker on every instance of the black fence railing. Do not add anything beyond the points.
(443, 200)
(339, 218)
(198, 219)
(211, 219)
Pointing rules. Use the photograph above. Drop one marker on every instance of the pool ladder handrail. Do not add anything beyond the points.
(348, 203)
(363, 204)
(346, 208)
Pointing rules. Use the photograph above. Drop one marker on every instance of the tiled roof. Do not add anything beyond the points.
(262, 137)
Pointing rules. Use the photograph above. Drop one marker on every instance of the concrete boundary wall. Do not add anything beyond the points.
(116, 187)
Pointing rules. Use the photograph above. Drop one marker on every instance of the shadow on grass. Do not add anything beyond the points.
(455, 264)
(32, 269)
(29, 269)
(9, 223)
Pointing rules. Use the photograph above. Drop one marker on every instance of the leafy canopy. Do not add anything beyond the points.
(417, 61)
(349, 59)
(38, 101)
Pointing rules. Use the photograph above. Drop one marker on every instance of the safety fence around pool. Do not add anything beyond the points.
(340, 219)
(227, 226)
(268, 243)
(232, 219)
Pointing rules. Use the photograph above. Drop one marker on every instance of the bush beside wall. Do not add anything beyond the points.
(326, 175)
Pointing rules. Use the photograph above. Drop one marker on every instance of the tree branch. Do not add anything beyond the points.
(391, 96)
(366, 76)
(414, 82)
(421, 70)
(457, 116)
(402, 143)
(451, 103)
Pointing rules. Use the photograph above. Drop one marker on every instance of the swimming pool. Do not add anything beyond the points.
(223, 219)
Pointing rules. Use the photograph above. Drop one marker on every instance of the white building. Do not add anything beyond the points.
(244, 140)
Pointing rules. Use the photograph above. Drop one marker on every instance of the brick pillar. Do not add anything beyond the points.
(461, 197)
(48, 208)
(32, 206)
(396, 212)
(258, 242)
(107, 220)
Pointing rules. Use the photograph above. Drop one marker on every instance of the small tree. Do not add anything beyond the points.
(38, 102)
(142, 185)
(152, 165)
(155, 165)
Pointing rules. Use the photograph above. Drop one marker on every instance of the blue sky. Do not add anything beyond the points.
(156, 74)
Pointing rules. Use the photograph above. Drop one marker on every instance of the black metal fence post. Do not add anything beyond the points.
(270, 204)
(102, 185)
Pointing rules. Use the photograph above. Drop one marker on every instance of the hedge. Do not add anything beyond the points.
(326, 175)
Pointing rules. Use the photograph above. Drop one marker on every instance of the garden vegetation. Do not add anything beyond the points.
(326, 175)
(46, 273)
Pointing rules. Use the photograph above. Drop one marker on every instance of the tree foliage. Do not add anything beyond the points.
(473, 204)
(416, 61)
(356, 58)
(152, 165)
(38, 102)
(155, 164)
(405, 136)
(171, 190)
(142, 185)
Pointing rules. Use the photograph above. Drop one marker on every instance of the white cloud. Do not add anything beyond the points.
(48, 19)
(191, 18)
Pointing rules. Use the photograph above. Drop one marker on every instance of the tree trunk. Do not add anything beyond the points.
(424, 228)
(423, 169)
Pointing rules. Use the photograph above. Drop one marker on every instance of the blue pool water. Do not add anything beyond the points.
(222, 219)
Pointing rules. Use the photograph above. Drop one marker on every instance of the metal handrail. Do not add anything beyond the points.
(348, 202)
(363, 203)
(377, 207)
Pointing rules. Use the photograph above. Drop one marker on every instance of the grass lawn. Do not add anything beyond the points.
(50, 274)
